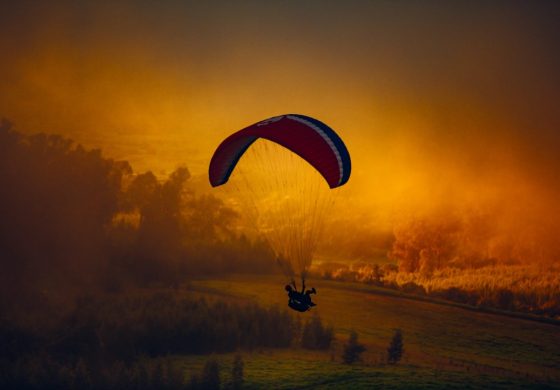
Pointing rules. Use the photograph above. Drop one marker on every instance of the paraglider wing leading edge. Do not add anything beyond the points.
(309, 138)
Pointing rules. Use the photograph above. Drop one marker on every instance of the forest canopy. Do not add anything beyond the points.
(74, 220)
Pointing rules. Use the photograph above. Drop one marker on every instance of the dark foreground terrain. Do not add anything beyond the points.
(445, 347)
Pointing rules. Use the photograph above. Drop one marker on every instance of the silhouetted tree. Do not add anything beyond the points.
(56, 201)
(74, 220)
(395, 349)
(315, 335)
(352, 349)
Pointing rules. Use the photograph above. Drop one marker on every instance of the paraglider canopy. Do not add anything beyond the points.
(283, 170)
(311, 139)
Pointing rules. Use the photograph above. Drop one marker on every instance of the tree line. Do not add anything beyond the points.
(75, 221)
(117, 339)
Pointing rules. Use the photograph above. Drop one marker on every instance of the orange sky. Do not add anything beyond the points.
(438, 103)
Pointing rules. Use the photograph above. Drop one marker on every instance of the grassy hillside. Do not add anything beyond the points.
(445, 346)
(307, 370)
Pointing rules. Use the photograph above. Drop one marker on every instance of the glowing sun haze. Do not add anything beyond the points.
(438, 103)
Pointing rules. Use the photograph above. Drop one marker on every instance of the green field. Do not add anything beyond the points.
(445, 346)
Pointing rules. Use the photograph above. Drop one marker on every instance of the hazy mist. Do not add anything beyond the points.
(443, 107)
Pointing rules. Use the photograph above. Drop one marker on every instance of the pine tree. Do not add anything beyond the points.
(395, 350)
(352, 349)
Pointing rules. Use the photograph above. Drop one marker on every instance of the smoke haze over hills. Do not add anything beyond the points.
(449, 112)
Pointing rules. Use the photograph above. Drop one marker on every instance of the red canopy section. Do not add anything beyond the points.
(309, 138)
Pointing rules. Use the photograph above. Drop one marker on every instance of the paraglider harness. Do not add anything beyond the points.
(300, 301)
